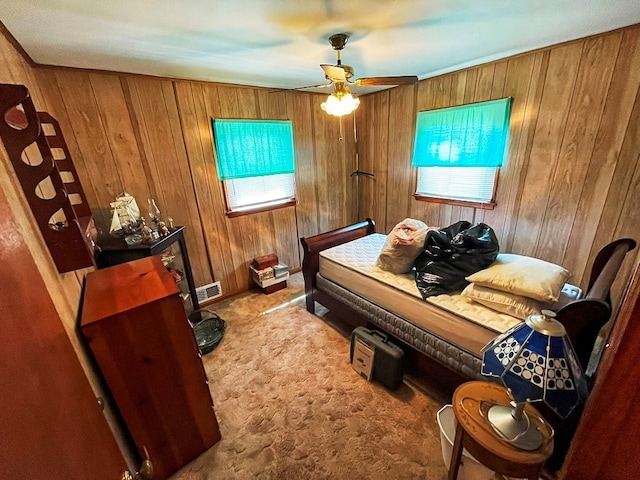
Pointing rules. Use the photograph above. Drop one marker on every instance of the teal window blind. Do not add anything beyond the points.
(466, 136)
(253, 148)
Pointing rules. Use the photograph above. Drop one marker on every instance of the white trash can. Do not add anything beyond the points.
(470, 469)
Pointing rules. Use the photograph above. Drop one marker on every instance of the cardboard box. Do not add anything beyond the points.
(262, 275)
(280, 270)
(270, 284)
(267, 282)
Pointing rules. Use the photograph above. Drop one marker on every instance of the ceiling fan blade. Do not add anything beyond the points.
(402, 80)
(322, 89)
(334, 73)
(324, 85)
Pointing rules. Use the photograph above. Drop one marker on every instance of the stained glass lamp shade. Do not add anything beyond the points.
(536, 362)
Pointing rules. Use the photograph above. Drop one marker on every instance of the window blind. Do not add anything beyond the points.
(469, 184)
(260, 191)
(466, 136)
(253, 148)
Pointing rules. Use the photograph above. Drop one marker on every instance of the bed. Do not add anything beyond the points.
(340, 273)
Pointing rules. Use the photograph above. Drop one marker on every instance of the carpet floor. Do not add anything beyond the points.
(291, 407)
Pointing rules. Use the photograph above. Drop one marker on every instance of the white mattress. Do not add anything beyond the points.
(452, 317)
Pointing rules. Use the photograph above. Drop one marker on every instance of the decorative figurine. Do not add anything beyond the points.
(162, 229)
(125, 215)
(147, 233)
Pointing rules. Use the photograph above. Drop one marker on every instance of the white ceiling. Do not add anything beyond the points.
(280, 43)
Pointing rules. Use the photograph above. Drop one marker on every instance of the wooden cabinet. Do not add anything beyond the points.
(135, 324)
(172, 249)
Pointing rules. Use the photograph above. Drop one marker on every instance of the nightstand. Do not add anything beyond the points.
(471, 401)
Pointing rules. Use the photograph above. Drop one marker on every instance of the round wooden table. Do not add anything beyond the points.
(471, 401)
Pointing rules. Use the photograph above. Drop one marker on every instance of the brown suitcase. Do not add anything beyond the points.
(265, 261)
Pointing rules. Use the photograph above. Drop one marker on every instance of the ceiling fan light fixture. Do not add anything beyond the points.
(340, 102)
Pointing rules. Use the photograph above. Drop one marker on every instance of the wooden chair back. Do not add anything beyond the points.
(584, 318)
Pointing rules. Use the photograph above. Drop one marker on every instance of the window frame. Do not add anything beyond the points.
(488, 205)
(231, 211)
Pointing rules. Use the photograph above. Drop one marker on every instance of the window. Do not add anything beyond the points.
(255, 163)
(459, 151)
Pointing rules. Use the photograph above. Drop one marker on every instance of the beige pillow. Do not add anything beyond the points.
(503, 302)
(402, 246)
(522, 275)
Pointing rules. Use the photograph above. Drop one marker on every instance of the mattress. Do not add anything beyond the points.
(452, 317)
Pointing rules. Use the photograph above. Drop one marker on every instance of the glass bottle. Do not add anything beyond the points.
(154, 211)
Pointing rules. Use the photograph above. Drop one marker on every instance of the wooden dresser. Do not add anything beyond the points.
(135, 323)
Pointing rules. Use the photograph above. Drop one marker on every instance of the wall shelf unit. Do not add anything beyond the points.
(43, 165)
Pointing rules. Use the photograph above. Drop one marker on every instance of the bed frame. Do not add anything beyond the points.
(582, 318)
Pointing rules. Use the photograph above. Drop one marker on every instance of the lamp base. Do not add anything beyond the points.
(514, 427)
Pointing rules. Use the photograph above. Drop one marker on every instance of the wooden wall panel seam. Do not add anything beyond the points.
(533, 105)
(596, 69)
(126, 90)
(560, 145)
(578, 261)
(206, 266)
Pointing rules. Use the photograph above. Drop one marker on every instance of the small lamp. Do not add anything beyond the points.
(340, 102)
(536, 362)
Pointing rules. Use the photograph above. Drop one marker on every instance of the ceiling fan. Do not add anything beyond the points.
(341, 102)
(343, 73)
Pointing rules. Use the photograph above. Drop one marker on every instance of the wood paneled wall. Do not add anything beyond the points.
(568, 187)
(153, 138)
(571, 181)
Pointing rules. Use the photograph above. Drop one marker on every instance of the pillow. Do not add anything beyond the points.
(503, 302)
(402, 246)
(522, 275)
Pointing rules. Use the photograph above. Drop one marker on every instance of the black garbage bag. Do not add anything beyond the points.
(453, 253)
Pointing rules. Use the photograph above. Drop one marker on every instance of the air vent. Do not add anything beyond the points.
(208, 292)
